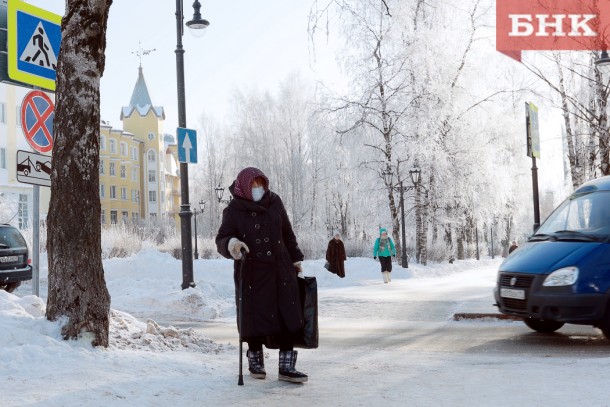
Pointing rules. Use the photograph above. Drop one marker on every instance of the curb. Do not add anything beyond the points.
(474, 315)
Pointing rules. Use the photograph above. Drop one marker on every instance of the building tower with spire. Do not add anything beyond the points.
(159, 165)
(142, 163)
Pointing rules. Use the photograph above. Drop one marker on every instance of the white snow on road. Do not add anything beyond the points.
(149, 364)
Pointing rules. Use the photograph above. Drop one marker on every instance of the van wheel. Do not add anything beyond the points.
(543, 326)
(604, 325)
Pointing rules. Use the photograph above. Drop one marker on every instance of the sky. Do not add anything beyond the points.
(150, 363)
(253, 44)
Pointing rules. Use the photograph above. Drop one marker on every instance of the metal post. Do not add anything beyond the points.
(535, 192)
(36, 242)
(492, 241)
(196, 251)
(185, 207)
(405, 261)
(476, 233)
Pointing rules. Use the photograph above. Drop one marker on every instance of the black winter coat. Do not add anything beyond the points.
(335, 255)
(271, 292)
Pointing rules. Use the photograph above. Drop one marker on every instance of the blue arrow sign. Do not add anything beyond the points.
(187, 145)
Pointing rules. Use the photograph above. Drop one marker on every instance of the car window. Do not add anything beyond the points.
(11, 237)
(584, 213)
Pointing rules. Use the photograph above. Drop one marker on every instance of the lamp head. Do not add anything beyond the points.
(387, 177)
(415, 174)
(197, 25)
(219, 192)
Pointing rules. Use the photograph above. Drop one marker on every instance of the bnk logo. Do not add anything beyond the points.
(551, 25)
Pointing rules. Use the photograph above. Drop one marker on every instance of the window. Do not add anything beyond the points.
(113, 217)
(152, 215)
(124, 149)
(135, 216)
(113, 192)
(134, 153)
(113, 146)
(123, 193)
(151, 157)
(102, 142)
(152, 175)
(123, 172)
(125, 216)
(112, 169)
(152, 196)
(3, 158)
(102, 191)
(103, 217)
(133, 195)
(3, 113)
(102, 167)
(151, 136)
(23, 212)
(134, 174)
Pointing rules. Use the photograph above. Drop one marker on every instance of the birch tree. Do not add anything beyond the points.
(77, 289)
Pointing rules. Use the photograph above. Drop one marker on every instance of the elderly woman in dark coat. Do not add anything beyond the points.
(335, 255)
(256, 222)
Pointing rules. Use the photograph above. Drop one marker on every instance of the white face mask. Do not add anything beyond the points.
(257, 193)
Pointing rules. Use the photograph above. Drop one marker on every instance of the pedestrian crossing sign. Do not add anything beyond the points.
(34, 38)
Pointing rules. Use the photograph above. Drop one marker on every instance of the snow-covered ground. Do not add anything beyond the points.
(149, 364)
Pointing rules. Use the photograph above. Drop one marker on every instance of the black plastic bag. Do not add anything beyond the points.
(328, 267)
(306, 338)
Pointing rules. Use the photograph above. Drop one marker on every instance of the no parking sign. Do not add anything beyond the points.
(37, 113)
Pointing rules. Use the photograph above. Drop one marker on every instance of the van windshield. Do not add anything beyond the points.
(586, 215)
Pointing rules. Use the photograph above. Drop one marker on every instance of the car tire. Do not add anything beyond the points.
(10, 287)
(543, 326)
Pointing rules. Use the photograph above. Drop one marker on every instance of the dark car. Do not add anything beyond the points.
(562, 273)
(14, 258)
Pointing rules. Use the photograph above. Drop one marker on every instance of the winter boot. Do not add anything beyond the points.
(389, 276)
(256, 364)
(385, 276)
(287, 372)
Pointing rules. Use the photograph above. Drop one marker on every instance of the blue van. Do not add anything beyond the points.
(562, 273)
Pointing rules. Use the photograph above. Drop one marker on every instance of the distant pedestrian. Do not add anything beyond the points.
(335, 255)
(512, 247)
(384, 249)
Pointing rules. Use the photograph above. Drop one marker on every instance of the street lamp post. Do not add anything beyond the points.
(219, 193)
(196, 23)
(201, 209)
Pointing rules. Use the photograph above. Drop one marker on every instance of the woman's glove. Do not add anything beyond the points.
(235, 247)
(299, 269)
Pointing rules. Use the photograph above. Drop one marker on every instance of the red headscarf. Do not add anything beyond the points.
(243, 183)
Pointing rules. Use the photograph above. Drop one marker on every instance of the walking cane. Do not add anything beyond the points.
(240, 381)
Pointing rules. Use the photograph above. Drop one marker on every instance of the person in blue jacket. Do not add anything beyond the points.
(384, 249)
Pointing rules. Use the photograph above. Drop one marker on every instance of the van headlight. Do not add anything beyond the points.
(561, 277)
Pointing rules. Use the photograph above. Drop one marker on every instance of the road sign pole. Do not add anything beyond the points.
(36, 242)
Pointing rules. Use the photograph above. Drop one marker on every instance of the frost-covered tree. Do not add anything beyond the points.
(77, 289)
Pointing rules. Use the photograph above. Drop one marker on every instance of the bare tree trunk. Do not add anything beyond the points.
(424, 231)
(460, 244)
(576, 176)
(418, 224)
(77, 289)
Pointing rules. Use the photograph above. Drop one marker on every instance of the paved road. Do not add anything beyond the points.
(433, 331)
